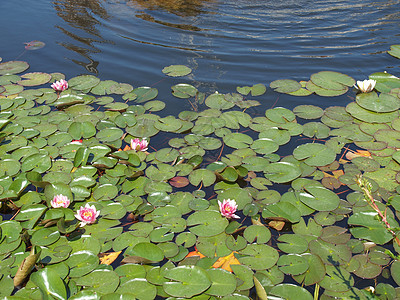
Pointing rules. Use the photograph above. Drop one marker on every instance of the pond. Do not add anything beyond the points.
(200, 149)
(226, 43)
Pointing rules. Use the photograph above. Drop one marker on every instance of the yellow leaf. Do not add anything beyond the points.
(261, 293)
(278, 225)
(226, 262)
(108, 258)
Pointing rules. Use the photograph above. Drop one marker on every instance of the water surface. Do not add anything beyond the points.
(226, 43)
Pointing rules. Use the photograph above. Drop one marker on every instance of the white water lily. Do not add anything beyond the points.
(366, 86)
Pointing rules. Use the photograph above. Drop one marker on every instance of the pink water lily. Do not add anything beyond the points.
(60, 86)
(139, 145)
(87, 214)
(228, 208)
(60, 201)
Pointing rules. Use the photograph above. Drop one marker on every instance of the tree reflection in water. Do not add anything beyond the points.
(82, 17)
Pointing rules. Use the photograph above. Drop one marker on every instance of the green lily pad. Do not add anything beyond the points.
(325, 92)
(385, 82)
(81, 263)
(237, 140)
(148, 251)
(176, 70)
(154, 105)
(184, 90)
(290, 291)
(369, 228)
(382, 103)
(13, 67)
(370, 116)
(36, 78)
(258, 234)
(101, 281)
(259, 257)
(284, 210)
(314, 154)
(141, 94)
(204, 176)
(292, 243)
(332, 80)
(308, 112)
(138, 288)
(83, 82)
(292, 264)
(315, 273)
(206, 223)
(337, 279)
(217, 101)
(50, 283)
(222, 283)
(320, 198)
(281, 172)
(264, 146)
(285, 86)
(280, 115)
(168, 124)
(186, 281)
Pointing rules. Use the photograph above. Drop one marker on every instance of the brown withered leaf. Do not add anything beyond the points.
(179, 181)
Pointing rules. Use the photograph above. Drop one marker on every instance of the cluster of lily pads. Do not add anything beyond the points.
(314, 224)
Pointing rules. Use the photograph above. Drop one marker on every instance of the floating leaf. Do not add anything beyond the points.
(34, 45)
(179, 181)
(13, 67)
(183, 90)
(332, 80)
(285, 86)
(50, 283)
(83, 82)
(176, 70)
(206, 223)
(282, 172)
(308, 111)
(382, 103)
(314, 154)
(36, 78)
(186, 281)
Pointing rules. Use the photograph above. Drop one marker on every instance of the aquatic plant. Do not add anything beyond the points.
(306, 226)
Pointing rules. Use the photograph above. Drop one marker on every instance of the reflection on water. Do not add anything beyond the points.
(182, 8)
(82, 15)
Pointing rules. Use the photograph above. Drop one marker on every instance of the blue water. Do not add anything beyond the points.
(226, 43)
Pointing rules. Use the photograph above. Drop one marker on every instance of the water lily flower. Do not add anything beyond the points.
(77, 142)
(228, 208)
(87, 214)
(366, 86)
(139, 145)
(60, 86)
(60, 201)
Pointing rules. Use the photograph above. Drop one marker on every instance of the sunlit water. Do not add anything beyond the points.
(226, 43)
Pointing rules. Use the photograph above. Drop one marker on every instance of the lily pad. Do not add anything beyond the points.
(285, 86)
(281, 172)
(13, 67)
(314, 154)
(36, 78)
(176, 70)
(186, 281)
(382, 103)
